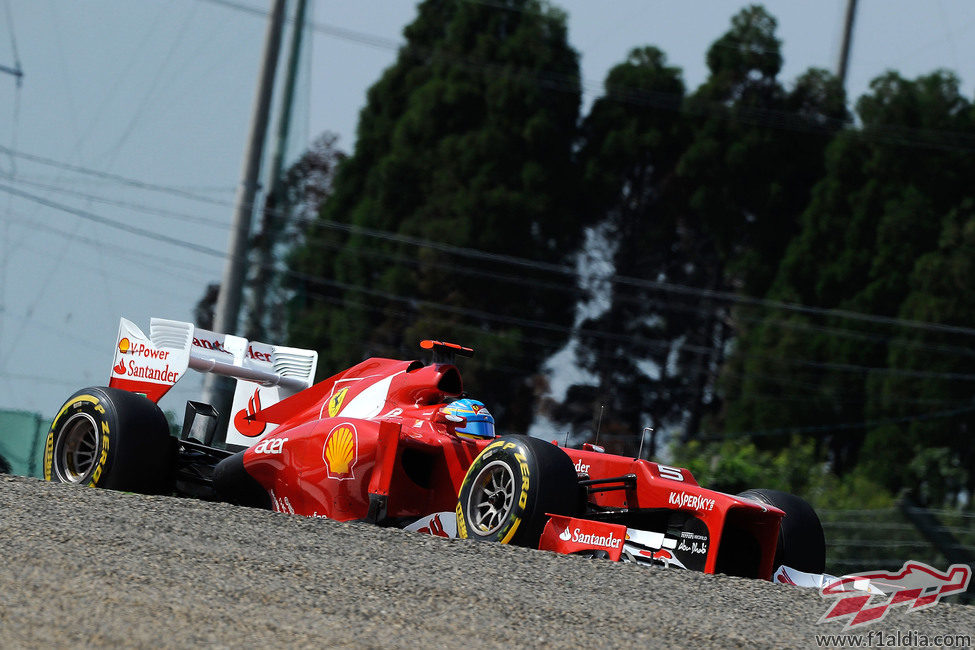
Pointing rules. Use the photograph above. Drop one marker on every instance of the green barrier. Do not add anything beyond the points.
(22, 436)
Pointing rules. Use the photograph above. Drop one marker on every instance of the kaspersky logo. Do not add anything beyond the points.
(916, 586)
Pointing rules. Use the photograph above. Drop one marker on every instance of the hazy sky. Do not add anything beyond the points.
(128, 133)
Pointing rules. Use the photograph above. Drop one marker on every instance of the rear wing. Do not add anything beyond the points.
(151, 365)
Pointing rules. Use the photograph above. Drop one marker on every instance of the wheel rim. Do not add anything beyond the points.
(491, 497)
(78, 448)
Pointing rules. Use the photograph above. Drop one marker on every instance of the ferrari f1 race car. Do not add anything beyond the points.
(397, 443)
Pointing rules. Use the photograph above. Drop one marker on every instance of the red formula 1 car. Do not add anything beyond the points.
(397, 443)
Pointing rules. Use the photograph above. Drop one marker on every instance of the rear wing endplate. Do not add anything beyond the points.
(151, 365)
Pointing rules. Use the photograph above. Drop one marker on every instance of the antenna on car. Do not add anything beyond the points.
(444, 352)
(599, 422)
(643, 436)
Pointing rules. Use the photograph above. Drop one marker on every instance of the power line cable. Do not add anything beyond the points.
(538, 325)
(122, 180)
(118, 225)
(143, 258)
(829, 428)
(220, 224)
(216, 223)
(144, 105)
(17, 70)
(561, 269)
(566, 270)
(915, 137)
(658, 344)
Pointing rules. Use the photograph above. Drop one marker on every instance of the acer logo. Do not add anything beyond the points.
(270, 446)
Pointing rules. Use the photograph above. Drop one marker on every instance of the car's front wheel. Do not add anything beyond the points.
(801, 544)
(511, 486)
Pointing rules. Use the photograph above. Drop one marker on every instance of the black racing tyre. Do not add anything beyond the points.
(510, 487)
(235, 485)
(802, 544)
(110, 438)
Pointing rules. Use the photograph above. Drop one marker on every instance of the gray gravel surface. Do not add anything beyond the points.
(93, 568)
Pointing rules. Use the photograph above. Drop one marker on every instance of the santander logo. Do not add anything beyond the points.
(590, 539)
(244, 421)
(216, 345)
(581, 468)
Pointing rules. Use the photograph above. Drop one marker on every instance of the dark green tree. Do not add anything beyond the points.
(463, 156)
(305, 186)
(631, 141)
(877, 211)
(702, 192)
(930, 397)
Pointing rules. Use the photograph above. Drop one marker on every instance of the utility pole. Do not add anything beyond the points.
(228, 301)
(275, 205)
(842, 64)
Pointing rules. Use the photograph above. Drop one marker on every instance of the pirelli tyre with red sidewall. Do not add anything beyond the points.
(511, 486)
(111, 438)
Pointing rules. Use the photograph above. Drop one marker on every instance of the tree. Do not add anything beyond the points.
(702, 192)
(875, 214)
(931, 443)
(463, 155)
(631, 141)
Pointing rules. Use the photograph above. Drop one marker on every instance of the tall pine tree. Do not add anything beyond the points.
(864, 245)
(463, 157)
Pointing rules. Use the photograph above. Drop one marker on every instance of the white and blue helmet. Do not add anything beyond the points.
(480, 422)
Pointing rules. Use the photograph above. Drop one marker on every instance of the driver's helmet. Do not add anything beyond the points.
(480, 422)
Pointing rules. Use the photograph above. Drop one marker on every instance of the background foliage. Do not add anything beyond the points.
(780, 286)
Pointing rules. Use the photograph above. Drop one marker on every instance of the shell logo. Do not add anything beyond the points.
(339, 452)
(124, 345)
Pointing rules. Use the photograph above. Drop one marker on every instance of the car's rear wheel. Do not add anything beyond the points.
(801, 544)
(511, 486)
(105, 437)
